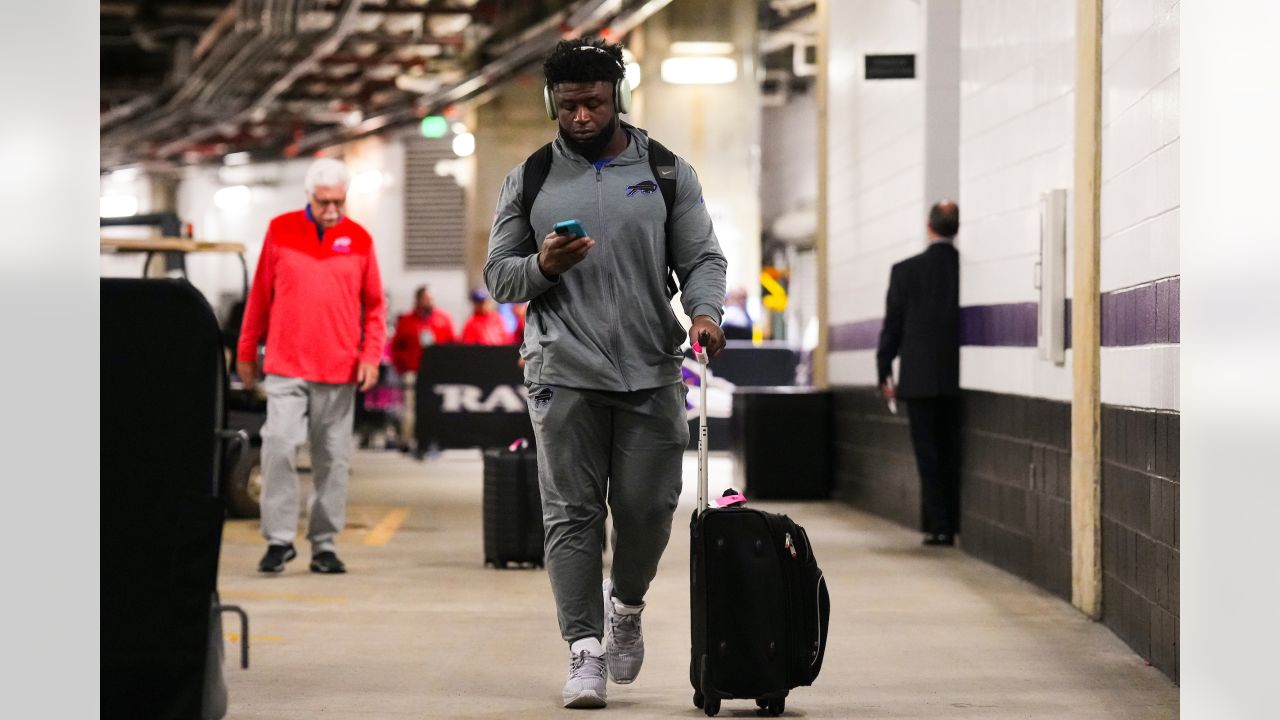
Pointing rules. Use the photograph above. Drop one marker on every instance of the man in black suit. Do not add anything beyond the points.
(922, 325)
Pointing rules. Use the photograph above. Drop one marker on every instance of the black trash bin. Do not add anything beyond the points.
(780, 439)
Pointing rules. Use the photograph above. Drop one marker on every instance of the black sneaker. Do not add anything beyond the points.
(327, 562)
(276, 557)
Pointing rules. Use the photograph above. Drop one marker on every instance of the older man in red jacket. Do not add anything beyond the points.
(317, 301)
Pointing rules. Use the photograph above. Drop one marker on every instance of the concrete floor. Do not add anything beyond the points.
(420, 628)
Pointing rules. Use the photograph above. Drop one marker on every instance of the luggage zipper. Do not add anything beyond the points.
(817, 596)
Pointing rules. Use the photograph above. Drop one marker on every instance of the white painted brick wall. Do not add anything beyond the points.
(1016, 122)
(1017, 104)
(1017, 99)
(1140, 179)
(1140, 112)
(876, 180)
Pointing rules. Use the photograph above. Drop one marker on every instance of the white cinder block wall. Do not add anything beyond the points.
(788, 156)
(876, 167)
(1016, 140)
(1140, 130)
(1017, 95)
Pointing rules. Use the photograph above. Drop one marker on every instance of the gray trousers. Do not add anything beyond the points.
(601, 452)
(298, 410)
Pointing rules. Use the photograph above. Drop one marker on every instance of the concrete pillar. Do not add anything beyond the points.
(714, 127)
(507, 128)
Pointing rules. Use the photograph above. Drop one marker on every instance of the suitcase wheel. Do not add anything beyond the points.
(771, 707)
(697, 699)
(711, 706)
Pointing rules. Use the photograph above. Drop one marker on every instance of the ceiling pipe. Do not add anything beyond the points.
(526, 51)
(225, 21)
(258, 27)
(328, 45)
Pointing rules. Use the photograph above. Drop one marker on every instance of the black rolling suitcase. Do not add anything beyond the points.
(512, 506)
(760, 607)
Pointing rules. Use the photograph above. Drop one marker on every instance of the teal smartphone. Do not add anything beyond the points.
(570, 227)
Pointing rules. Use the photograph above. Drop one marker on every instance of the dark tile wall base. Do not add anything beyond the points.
(1016, 498)
(1140, 511)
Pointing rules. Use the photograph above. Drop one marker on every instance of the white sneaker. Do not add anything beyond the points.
(623, 641)
(585, 687)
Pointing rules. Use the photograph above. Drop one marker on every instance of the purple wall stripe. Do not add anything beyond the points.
(1008, 325)
(860, 335)
(1142, 315)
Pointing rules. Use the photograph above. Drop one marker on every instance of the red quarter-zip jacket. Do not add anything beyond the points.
(317, 301)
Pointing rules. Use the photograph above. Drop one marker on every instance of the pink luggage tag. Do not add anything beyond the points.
(519, 444)
(729, 500)
(699, 353)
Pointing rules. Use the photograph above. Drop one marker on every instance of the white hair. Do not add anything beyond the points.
(327, 172)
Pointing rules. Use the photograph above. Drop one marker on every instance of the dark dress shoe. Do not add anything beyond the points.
(327, 562)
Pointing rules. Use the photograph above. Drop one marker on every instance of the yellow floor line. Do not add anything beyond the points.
(381, 533)
(235, 638)
(254, 595)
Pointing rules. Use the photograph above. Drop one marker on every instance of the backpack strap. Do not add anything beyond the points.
(536, 168)
(663, 164)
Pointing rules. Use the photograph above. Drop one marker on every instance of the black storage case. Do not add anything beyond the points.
(512, 508)
(780, 439)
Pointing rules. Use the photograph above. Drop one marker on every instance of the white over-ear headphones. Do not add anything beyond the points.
(621, 89)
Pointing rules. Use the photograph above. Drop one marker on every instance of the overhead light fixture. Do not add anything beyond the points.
(685, 47)
(231, 198)
(126, 174)
(367, 182)
(236, 158)
(458, 128)
(434, 126)
(117, 206)
(464, 144)
(699, 70)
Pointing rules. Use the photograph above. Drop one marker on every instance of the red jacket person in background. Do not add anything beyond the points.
(317, 302)
(484, 327)
(426, 325)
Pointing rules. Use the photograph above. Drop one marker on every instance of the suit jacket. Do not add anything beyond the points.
(922, 324)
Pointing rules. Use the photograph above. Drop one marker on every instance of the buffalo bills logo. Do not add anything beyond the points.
(648, 187)
(342, 245)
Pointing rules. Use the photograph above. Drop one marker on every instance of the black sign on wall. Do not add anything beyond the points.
(891, 67)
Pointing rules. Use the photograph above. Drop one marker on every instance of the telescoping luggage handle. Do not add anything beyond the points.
(701, 355)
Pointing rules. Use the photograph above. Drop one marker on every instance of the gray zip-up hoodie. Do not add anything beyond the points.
(607, 323)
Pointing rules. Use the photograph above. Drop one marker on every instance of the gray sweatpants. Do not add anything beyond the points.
(298, 409)
(601, 452)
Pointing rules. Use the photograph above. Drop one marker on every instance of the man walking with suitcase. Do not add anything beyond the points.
(922, 324)
(602, 347)
(317, 301)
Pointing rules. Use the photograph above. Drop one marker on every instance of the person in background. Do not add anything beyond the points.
(737, 323)
(602, 353)
(317, 302)
(519, 310)
(484, 327)
(425, 325)
(922, 325)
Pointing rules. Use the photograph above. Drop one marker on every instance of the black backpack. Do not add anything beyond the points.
(538, 165)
